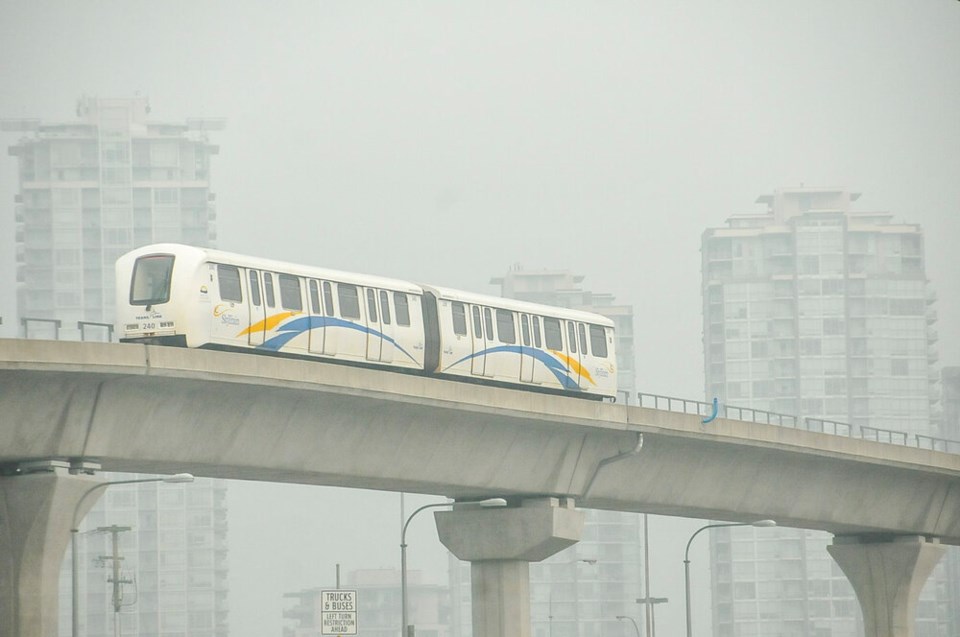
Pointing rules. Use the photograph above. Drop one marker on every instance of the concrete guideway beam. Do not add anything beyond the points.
(500, 544)
(36, 513)
(887, 575)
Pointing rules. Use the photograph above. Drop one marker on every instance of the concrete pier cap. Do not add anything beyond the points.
(887, 573)
(500, 543)
(530, 532)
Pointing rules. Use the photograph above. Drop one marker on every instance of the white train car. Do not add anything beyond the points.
(506, 341)
(191, 297)
(180, 295)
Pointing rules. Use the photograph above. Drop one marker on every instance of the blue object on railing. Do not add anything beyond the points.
(716, 410)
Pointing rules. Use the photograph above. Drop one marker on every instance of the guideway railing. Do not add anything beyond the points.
(820, 425)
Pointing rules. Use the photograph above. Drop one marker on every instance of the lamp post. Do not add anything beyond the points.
(632, 621)
(75, 560)
(489, 502)
(686, 555)
(650, 603)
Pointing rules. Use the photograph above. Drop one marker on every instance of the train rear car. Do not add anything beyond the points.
(492, 339)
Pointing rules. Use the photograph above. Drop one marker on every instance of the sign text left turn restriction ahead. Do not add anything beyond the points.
(338, 613)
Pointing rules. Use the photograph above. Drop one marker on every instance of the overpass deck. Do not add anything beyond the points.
(163, 410)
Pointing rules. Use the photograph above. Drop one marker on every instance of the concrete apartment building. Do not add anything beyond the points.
(94, 188)
(813, 309)
(91, 189)
(580, 591)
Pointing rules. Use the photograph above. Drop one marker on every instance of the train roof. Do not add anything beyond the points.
(271, 265)
(519, 306)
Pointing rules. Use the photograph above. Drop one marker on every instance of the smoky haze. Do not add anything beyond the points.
(445, 142)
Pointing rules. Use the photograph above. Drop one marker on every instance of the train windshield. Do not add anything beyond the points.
(151, 280)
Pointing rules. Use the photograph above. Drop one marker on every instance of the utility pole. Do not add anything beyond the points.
(116, 580)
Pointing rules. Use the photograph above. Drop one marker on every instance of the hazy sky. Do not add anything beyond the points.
(445, 141)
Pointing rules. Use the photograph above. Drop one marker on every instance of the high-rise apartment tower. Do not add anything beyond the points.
(90, 190)
(813, 309)
(95, 188)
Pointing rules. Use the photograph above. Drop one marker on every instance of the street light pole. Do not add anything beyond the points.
(489, 502)
(635, 627)
(75, 559)
(686, 556)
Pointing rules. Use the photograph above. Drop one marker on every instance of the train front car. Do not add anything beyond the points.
(178, 295)
(158, 289)
(538, 347)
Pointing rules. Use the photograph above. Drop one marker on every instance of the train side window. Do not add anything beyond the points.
(459, 319)
(552, 333)
(477, 323)
(506, 329)
(598, 341)
(254, 288)
(582, 333)
(268, 289)
(384, 307)
(572, 337)
(525, 329)
(372, 305)
(315, 298)
(401, 303)
(328, 299)
(228, 277)
(290, 298)
(536, 330)
(349, 300)
(488, 323)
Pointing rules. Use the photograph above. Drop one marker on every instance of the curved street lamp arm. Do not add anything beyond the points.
(403, 533)
(686, 553)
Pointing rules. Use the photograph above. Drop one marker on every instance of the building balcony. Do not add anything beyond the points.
(931, 297)
(932, 335)
(931, 316)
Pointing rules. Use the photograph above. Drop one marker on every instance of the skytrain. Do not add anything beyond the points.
(179, 295)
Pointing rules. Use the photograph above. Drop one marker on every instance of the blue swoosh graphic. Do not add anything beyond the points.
(559, 369)
(294, 328)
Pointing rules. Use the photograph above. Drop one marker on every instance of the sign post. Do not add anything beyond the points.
(338, 612)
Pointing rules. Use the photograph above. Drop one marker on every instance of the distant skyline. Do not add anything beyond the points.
(442, 142)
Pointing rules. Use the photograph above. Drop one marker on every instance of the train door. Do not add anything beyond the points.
(330, 333)
(584, 355)
(527, 360)
(489, 364)
(229, 315)
(573, 352)
(374, 340)
(317, 328)
(387, 347)
(553, 342)
(479, 347)
(257, 311)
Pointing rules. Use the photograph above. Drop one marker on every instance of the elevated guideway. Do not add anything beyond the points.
(166, 410)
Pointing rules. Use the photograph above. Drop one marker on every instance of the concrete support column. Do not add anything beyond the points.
(500, 544)
(36, 511)
(887, 574)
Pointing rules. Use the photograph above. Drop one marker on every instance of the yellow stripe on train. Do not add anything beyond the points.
(268, 323)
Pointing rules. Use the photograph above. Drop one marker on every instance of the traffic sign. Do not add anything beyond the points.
(338, 612)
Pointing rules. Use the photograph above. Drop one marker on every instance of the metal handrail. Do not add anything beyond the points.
(819, 425)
